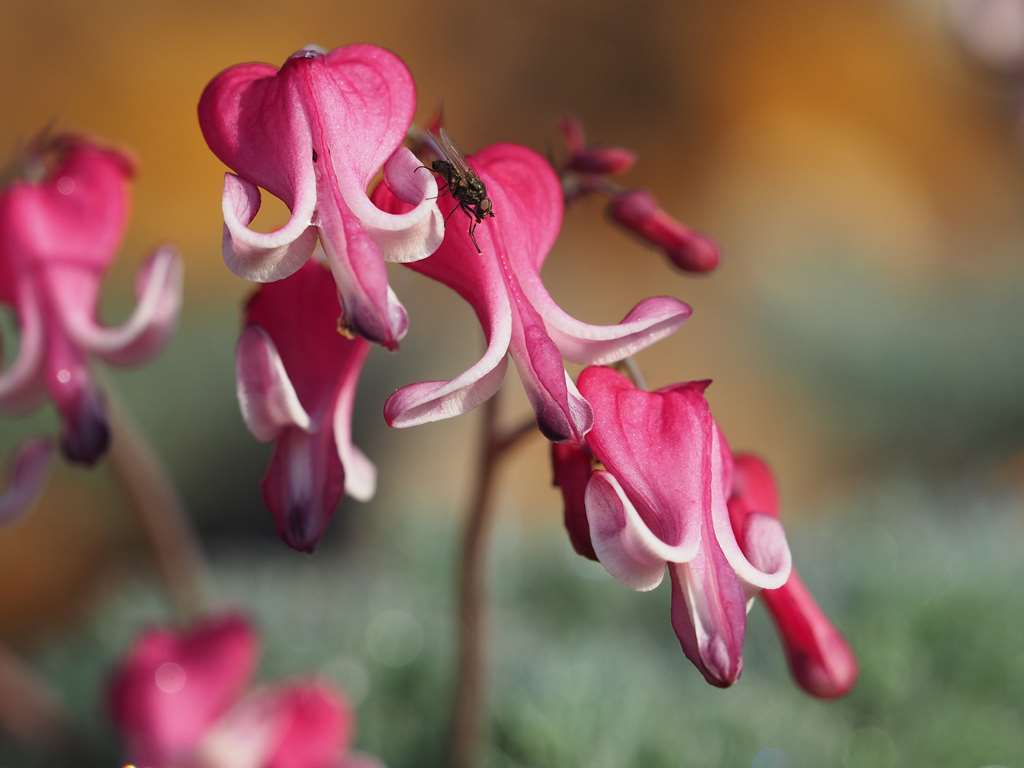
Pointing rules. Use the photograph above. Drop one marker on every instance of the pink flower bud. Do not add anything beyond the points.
(639, 212)
(602, 161)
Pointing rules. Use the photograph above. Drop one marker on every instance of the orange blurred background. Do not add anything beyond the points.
(805, 137)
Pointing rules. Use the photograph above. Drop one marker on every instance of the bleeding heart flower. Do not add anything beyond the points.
(179, 701)
(61, 221)
(820, 659)
(659, 498)
(314, 133)
(297, 378)
(518, 315)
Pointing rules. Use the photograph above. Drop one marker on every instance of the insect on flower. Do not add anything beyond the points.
(465, 186)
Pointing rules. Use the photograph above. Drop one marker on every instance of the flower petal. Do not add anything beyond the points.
(412, 235)
(314, 726)
(658, 447)
(265, 393)
(266, 256)
(770, 560)
(623, 544)
(172, 686)
(709, 615)
(572, 466)
(159, 291)
(820, 659)
(28, 472)
(19, 383)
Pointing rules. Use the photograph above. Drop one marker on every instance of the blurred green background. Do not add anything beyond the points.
(864, 177)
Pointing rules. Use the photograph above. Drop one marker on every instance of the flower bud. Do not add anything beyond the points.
(638, 211)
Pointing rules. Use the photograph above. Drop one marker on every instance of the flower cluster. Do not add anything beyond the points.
(656, 485)
(62, 217)
(180, 699)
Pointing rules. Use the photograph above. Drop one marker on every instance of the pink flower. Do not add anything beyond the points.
(637, 211)
(658, 499)
(821, 660)
(314, 133)
(179, 700)
(297, 378)
(518, 315)
(61, 221)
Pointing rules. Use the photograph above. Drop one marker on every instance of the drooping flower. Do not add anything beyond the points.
(179, 700)
(62, 218)
(518, 315)
(657, 498)
(314, 133)
(593, 160)
(820, 659)
(297, 377)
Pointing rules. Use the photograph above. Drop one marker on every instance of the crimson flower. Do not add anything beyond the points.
(314, 133)
(637, 211)
(179, 699)
(654, 495)
(297, 378)
(61, 221)
(820, 659)
(517, 313)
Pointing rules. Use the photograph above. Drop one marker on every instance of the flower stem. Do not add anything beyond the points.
(471, 663)
(158, 512)
(30, 711)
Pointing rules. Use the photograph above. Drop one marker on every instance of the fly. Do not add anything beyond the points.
(465, 186)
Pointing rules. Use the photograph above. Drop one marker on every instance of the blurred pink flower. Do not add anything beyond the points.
(821, 660)
(592, 160)
(517, 313)
(62, 218)
(297, 380)
(178, 700)
(657, 498)
(314, 133)
(637, 211)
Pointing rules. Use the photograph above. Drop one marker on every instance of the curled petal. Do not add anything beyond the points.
(27, 477)
(648, 322)
(360, 473)
(770, 560)
(266, 256)
(623, 544)
(151, 324)
(820, 659)
(265, 393)
(19, 382)
(408, 236)
(434, 400)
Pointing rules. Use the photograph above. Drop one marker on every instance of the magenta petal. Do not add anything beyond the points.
(159, 290)
(658, 447)
(623, 544)
(820, 659)
(28, 472)
(314, 133)
(171, 687)
(297, 378)
(315, 726)
(572, 467)
(266, 256)
(19, 383)
(265, 393)
(709, 615)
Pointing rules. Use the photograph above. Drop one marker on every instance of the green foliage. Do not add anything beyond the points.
(586, 673)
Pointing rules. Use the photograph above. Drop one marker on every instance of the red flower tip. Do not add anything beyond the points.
(592, 160)
(572, 467)
(638, 211)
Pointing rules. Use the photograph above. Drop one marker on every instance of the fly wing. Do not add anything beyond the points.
(452, 154)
